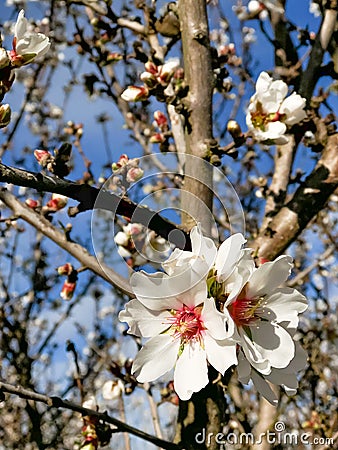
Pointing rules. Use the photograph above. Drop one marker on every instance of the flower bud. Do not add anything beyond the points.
(5, 115)
(43, 157)
(234, 129)
(157, 138)
(160, 119)
(4, 58)
(149, 79)
(121, 238)
(113, 57)
(132, 229)
(32, 203)
(134, 174)
(57, 202)
(167, 71)
(135, 93)
(151, 68)
(66, 269)
(68, 289)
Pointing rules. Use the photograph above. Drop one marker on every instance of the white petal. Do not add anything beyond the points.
(274, 130)
(293, 106)
(220, 354)
(263, 388)
(284, 305)
(215, 322)
(228, 255)
(191, 371)
(243, 369)
(274, 343)
(154, 290)
(142, 321)
(263, 83)
(253, 354)
(21, 25)
(240, 276)
(203, 246)
(156, 358)
(269, 276)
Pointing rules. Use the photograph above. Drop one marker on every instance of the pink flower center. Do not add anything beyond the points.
(187, 323)
(243, 311)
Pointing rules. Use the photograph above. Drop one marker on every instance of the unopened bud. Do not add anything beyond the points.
(32, 203)
(66, 269)
(160, 119)
(5, 115)
(157, 138)
(151, 67)
(43, 157)
(4, 58)
(234, 129)
(149, 79)
(135, 93)
(68, 289)
(134, 174)
(57, 202)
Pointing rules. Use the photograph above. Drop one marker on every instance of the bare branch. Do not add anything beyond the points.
(57, 402)
(76, 250)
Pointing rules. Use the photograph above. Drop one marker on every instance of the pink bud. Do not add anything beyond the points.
(57, 202)
(134, 174)
(66, 269)
(43, 157)
(157, 138)
(32, 203)
(151, 67)
(160, 119)
(135, 93)
(67, 291)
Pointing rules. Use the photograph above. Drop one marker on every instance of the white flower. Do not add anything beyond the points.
(111, 390)
(314, 9)
(186, 332)
(270, 112)
(265, 315)
(27, 45)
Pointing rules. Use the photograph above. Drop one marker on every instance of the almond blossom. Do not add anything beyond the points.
(186, 332)
(27, 45)
(270, 111)
(214, 306)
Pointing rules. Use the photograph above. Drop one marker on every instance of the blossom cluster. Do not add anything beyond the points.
(215, 307)
(270, 111)
(138, 245)
(153, 77)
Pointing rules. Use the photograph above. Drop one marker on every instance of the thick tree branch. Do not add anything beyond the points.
(77, 251)
(197, 194)
(90, 198)
(305, 204)
(57, 402)
(312, 72)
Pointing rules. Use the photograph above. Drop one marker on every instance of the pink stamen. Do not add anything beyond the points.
(186, 323)
(242, 311)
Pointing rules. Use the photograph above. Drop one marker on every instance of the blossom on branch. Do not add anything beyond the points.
(27, 45)
(216, 307)
(270, 112)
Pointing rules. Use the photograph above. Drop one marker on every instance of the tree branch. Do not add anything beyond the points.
(305, 204)
(77, 251)
(90, 198)
(57, 402)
